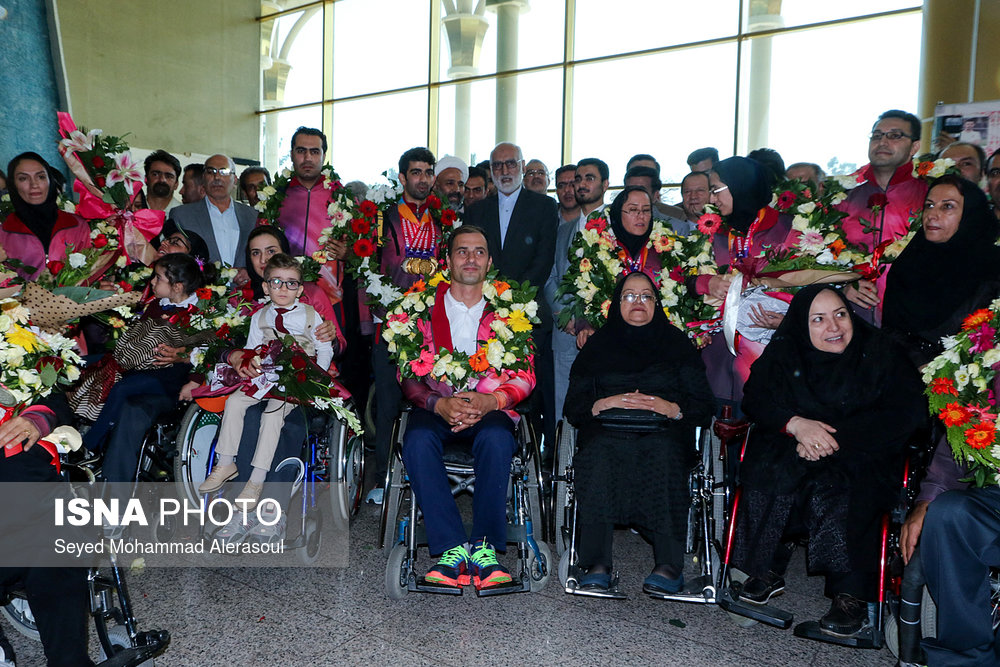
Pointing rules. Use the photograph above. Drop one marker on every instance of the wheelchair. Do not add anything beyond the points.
(122, 643)
(402, 534)
(706, 521)
(332, 458)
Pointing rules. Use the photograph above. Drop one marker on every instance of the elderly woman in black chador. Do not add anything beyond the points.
(834, 401)
(949, 269)
(637, 361)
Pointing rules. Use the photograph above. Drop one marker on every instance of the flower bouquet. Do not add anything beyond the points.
(597, 262)
(961, 393)
(507, 348)
(33, 363)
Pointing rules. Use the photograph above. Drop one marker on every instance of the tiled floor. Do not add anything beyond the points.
(300, 616)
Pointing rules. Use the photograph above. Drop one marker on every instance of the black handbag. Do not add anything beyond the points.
(633, 421)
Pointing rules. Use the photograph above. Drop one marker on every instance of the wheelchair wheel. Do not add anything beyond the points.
(192, 461)
(928, 623)
(119, 639)
(539, 567)
(347, 472)
(396, 576)
(560, 491)
(391, 504)
(369, 416)
(19, 614)
(564, 566)
(313, 531)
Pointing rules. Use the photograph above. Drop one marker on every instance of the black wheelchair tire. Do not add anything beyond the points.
(395, 587)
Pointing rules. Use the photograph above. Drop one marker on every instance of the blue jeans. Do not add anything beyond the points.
(493, 445)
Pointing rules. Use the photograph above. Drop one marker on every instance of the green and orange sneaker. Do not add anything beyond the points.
(452, 569)
(486, 571)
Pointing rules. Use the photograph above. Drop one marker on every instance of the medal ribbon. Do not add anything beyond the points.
(418, 236)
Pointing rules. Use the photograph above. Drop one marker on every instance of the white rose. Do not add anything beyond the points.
(72, 373)
(800, 224)
(77, 259)
(807, 208)
(961, 377)
(991, 357)
(495, 353)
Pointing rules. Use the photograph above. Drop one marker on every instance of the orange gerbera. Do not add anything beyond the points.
(981, 316)
(478, 361)
(954, 414)
(944, 386)
(924, 168)
(418, 286)
(981, 436)
(500, 286)
(836, 247)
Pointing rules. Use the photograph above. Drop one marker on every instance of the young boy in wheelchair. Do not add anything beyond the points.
(284, 315)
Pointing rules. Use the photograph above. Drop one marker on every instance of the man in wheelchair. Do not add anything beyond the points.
(483, 418)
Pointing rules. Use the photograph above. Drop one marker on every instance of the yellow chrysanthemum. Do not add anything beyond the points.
(518, 322)
(22, 338)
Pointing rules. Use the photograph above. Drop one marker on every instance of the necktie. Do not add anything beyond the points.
(279, 322)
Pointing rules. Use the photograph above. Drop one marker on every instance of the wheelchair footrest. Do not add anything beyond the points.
(866, 637)
(515, 586)
(153, 643)
(699, 590)
(421, 585)
(613, 591)
(779, 618)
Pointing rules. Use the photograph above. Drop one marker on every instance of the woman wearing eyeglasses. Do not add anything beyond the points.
(638, 365)
(741, 192)
(36, 231)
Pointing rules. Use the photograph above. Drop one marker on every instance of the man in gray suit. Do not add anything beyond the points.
(223, 222)
(591, 184)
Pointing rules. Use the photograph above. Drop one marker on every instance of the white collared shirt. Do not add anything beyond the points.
(226, 228)
(295, 322)
(189, 301)
(464, 322)
(506, 204)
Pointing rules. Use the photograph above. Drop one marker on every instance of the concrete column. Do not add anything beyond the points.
(764, 15)
(946, 56)
(465, 26)
(508, 17)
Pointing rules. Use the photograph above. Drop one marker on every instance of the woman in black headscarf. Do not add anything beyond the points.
(741, 192)
(834, 402)
(637, 361)
(949, 269)
(37, 232)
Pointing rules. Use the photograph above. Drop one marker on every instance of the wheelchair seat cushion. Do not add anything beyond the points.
(458, 453)
(633, 421)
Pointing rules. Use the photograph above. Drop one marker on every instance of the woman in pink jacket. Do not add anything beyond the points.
(37, 232)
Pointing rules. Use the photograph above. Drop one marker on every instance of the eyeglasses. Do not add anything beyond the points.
(511, 165)
(536, 172)
(176, 242)
(276, 283)
(635, 210)
(632, 297)
(212, 171)
(891, 135)
(721, 188)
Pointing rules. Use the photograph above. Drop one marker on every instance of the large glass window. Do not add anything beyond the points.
(585, 78)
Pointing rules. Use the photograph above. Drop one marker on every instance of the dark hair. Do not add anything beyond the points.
(312, 132)
(772, 161)
(181, 268)
(281, 261)
(197, 170)
(601, 165)
(985, 165)
(902, 115)
(257, 282)
(695, 173)
(417, 154)
(161, 155)
(643, 157)
(563, 169)
(12, 165)
(462, 231)
(250, 171)
(820, 174)
(979, 152)
(699, 154)
(645, 172)
(476, 171)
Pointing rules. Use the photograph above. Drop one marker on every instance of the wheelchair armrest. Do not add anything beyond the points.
(731, 430)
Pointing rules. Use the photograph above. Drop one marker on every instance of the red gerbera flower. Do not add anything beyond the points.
(785, 200)
(977, 318)
(434, 202)
(954, 414)
(368, 208)
(363, 248)
(448, 217)
(360, 227)
(981, 436)
(944, 386)
(709, 223)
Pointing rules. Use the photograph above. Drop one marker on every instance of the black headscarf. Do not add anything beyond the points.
(818, 382)
(931, 286)
(748, 185)
(39, 218)
(632, 242)
(620, 347)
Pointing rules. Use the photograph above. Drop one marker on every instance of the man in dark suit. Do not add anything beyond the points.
(223, 222)
(521, 232)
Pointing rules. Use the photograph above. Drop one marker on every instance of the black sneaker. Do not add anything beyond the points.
(846, 617)
(7, 657)
(758, 590)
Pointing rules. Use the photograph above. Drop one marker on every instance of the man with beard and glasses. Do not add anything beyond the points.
(163, 175)
(450, 174)
(521, 229)
(408, 251)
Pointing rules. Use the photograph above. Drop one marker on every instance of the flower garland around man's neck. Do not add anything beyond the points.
(508, 349)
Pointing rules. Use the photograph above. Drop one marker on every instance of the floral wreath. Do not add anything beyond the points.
(960, 393)
(508, 350)
(597, 261)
